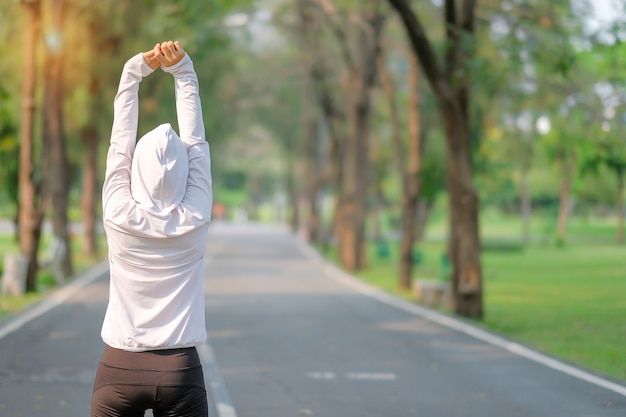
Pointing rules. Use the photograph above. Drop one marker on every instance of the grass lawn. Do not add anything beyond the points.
(567, 301)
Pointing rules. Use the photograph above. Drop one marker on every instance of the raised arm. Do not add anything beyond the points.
(124, 131)
(188, 106)
(191, 126)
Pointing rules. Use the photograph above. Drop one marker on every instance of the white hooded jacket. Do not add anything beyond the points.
(156, 209)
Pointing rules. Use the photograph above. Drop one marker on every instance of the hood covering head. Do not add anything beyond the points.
(159, 169)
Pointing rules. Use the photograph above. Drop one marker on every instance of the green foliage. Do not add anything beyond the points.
(529, 56)
(9, 150)
(433, 173)
(99, 37)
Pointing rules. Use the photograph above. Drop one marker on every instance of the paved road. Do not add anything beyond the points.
(47, 365)
(290, 336)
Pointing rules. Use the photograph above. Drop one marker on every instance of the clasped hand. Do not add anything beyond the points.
(164, 54)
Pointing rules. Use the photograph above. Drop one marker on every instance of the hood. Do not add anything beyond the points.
(159, 169)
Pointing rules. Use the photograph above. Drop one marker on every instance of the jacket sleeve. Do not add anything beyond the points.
(116, 185)
(198, 194)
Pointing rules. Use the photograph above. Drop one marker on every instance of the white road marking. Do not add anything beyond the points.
(321, 375)
(450, 322)
(53, 300)
(371, 376)
(224, 406)
(357, 376)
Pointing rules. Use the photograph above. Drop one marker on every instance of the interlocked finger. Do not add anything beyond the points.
(170, 53)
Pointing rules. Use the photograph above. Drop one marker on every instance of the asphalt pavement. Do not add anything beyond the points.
(290, 335)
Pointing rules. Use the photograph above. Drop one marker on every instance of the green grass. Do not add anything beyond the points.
(12, 304)
(566, 300)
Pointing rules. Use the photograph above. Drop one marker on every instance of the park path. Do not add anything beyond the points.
(295, 337)
(292, 336)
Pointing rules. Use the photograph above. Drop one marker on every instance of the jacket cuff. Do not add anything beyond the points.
(175, 69)
(144, 68)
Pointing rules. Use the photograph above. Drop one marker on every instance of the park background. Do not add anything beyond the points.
(476, 144)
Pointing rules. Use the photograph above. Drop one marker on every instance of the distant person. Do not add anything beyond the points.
(156, 202)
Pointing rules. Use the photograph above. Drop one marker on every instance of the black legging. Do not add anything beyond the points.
(170, 382)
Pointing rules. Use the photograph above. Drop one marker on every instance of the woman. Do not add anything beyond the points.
(156, 209)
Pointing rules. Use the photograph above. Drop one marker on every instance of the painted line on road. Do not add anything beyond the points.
(224, 405)
(53, 300)
(213, 379)
(358, 376)
(325, 376)
(371, 376)
(452, 323)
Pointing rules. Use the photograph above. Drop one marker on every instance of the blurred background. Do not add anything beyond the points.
(470, 155)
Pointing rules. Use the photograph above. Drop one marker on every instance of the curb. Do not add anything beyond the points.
(52, 300)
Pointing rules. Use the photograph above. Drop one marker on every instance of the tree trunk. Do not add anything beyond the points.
(292, 191)
(620, 206)
(89, 198)
(333, 117)
(408, 163)
(412, 186)
(356, 174)
(359, 78)
(450, 84)
(567, 162)
(464, 249)
(57, 183)
(525, 205)
(313, 175)
(424, 208)
(90, 135)
(378, 204)
(361, 75)
(30, 204)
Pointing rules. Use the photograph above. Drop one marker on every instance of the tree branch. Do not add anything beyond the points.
(421, 45)
(468, 16)
(452, 38)
(389, 87)
(467, 28)
(330, 12)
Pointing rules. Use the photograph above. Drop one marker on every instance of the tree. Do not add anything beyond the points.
(564, 87)
(57, 177)
(313, 172)
(83, 87)
(608, 149)
(96, 80)
(609, 152)
(31, 205)
(408, 160)
(450, 85)
(309, 123)
(319, 71)
(359, 58)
